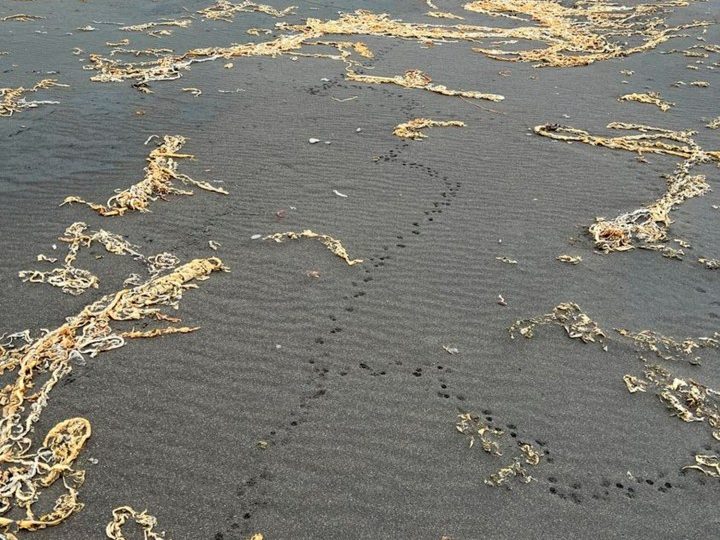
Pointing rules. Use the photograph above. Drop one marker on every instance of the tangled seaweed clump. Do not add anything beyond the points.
(74, 280)
(669, 348)
(160, 173)
(582, 33)
(648, 225)
(415, 78)
(577, 324)
(224, 10)
(335, 246)
(651, 98)
(13, 100)
(43, 362)
(411, 129)
(474, 428)
(688, 400)
(145, 521)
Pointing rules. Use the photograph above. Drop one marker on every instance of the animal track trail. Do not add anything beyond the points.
(316, 383)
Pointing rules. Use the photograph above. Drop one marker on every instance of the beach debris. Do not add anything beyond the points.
(627, 72)
(652, 98)
(443, 15)
(313, 140)
(257, 536)
(87, 28)
(501, 300)
(708, 464)
(133, 280)
(335, 246)
(666, 251)
(214, 245)
(714, 123)
(634, 384)
(700, 84)
(472, 426)
(579, 34)
(682, 243)
(160, 173)
(13, 100)
(194, 91)
(688, 400)
(21, 17)
(506, 260)
(224, 10)
(179, 23)
(121, 43)
(570, 316)
(669, 348)
(648, 224)
(411, 129)
(574, 36)
(145, 521)
(570, 259)
(336, 192)
(75, 280)
(415, 78)
(259, 31)
(450, 350)
(710, 264)
(40, 364)
(315, 274)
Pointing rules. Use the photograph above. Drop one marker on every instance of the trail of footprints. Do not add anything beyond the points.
(317, 380)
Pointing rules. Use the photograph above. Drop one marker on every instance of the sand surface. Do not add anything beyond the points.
(344, 376)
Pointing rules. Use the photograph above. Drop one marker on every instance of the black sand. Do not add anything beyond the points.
(326, 370)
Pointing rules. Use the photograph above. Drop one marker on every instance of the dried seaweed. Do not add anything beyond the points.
(411, 129)
(22, 17)
(472, 426)
(570, 259)
(122, 514)
(666, 251)
(335, 246)
(669, 348)
(634, 384)
(13, 100)
(651, 98)
(160, 173)
(688, 400)
(443, 15)
(169, 67)
(568, 315)
(648, 224)
(710, 264)
(708, 464)
(224, 10)
(180, 23)
(75, 280)
(579, 34)
(415, 78)
(50, 357)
